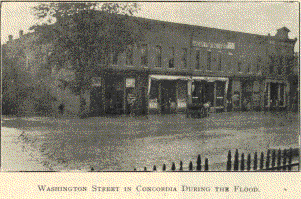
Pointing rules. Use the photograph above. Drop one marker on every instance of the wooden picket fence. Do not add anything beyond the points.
(272, 161)
(190, 167)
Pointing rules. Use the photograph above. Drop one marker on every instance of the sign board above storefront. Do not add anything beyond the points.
(203, 44)
(130, 82)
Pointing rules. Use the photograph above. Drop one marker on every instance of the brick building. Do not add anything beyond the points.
(179, 64)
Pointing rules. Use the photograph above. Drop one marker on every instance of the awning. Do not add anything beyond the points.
(165, 77)
(169, 77)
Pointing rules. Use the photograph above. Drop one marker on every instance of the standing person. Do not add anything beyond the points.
(131, 103)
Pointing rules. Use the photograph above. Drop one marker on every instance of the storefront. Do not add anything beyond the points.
(210, 89)
(167, 93)
(117, 93)
(171, 94)
(276, 94)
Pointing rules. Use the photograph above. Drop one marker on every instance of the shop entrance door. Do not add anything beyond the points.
(274, 95)
(168, 97)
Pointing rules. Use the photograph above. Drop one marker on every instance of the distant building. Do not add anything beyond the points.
(179, 64)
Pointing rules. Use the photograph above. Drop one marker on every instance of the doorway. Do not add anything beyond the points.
(168, 102)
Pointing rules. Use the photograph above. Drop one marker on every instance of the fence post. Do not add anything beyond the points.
(229, 161)
(190, 166)
(279, 160)
(284, 160)
(155, 168)
(261, 160)
(164, 167)
(273, 159)
(181, 166)
(290, 159)
(173, 167)
(255, 161)
(236, 161)
(198, 163)
(242, 162)
(206, 164)
(267, 164)
(249, 162)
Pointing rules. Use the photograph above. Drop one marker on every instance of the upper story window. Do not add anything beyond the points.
(144, 52)
(129, 55)
(171, 61)
(239, 66)
(184, 57)
(197, 59)
(115, 57)
(281, 65)
(158, 56)
(208, 60)
(219, 61)
(271, 64)
(249, 69)
(258, 64)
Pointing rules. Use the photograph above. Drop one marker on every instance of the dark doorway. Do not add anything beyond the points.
(274, 94)
(168, 97)
(96, 101)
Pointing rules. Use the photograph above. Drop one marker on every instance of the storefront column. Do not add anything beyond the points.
(177, 95)
(160, 98)
(269, 95)
(214, 100)
(103, 93)
(124, 95)
(262, 94)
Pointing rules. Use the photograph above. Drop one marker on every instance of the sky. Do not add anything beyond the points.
(250, 17)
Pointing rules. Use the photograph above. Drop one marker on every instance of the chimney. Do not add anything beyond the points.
(10, 37)
(20, 33)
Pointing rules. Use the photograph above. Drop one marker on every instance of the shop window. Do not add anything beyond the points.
(129, 55)
(219, 60)
(144, 60)
(184, 57)
(171, 57)
(208, 60)
(158, 56)
(197, 59)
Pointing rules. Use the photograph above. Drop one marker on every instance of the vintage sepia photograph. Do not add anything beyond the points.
(150, 87)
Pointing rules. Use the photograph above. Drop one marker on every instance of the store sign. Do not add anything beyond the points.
(130, 83)
(203, 44)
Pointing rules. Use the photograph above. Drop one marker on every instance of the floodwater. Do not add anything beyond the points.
(125, 143)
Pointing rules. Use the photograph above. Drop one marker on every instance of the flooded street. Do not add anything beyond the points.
(124, 143)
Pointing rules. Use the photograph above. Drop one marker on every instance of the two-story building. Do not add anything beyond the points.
(178, 64)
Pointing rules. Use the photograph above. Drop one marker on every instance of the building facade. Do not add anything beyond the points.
(179, 64)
